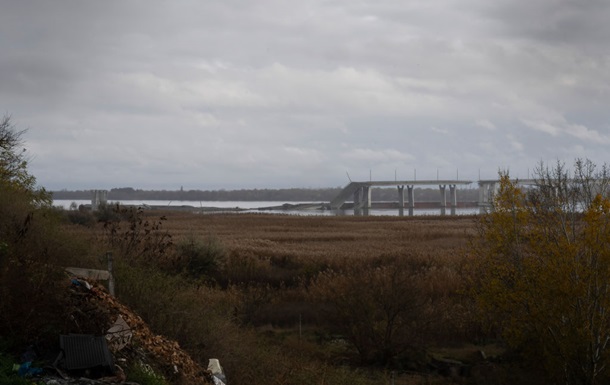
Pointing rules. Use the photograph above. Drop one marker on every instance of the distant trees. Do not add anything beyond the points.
(544, 269)
(278, 195)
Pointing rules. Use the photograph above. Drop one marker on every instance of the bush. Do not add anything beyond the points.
(144, 375)
(33, 254)
(200, 258)
(7, 375)
(379, 307)
(544, 270)
(136, 237)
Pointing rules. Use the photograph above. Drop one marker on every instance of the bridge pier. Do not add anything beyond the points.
(443, 198)
(411, 197)
(98, 198)
(489, 188)
(453, 198)
(357, 202)
(362, 200)
(486, 192)
(401, 200)
(361, 192)
(366, 195)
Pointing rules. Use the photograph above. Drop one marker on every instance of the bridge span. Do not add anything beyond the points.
(361, 193)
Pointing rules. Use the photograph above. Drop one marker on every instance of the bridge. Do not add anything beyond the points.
(361, 193)
(488, 187)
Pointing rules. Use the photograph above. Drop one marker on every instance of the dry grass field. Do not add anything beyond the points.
(327, 292)
(279, 252)
(330, 238)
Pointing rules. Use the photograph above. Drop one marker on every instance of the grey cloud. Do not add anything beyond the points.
(578, 23)
(269, 93)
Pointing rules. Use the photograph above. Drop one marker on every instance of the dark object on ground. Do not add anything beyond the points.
(85, 352)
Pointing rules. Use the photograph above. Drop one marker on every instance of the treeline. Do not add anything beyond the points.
(279, 195)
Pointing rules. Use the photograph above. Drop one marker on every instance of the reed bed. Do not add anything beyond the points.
(331, 237)
(273, 272)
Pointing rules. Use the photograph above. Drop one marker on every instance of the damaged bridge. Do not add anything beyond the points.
(361, 194)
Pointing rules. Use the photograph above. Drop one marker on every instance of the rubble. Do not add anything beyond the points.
(119, 335)
(218, 375)
(129, 339)
(164, 351)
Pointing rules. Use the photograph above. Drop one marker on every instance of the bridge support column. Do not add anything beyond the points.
(487, 190)
(401, 201)
(453, 198)
(362, 200)
(411, 197)
(442, 188)
(98, 198)
(366, 198)
(482, 201)
(358, 201)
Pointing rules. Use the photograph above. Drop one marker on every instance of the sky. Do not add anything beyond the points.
(228, 94)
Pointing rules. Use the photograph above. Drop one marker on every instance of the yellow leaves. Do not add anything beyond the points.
(544, 274)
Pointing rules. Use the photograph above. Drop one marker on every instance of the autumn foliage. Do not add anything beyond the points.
(543, 259)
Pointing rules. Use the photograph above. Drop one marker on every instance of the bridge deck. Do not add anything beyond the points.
(351, 188)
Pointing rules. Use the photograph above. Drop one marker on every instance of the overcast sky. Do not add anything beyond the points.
(229, 94)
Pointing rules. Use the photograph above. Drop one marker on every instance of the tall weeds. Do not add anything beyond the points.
(389, 287)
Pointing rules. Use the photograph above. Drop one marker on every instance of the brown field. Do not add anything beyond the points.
(279, 277)
(281, 251)
(327, 237)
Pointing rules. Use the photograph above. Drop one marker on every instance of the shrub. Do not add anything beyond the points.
(80, 217)
(544, 273)
(7, 375)
(135, 237)
(144, 375)
(200, 258)
(378, 306)
(33, 254)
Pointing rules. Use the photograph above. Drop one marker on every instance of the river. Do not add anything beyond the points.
(258, 207)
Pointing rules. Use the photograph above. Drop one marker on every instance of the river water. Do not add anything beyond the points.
(258, 207)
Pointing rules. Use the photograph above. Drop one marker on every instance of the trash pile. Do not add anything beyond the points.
(124, 340)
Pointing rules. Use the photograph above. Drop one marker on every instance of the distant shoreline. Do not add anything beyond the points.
(257, 195)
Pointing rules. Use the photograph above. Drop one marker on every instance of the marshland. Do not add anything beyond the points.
(304, 299)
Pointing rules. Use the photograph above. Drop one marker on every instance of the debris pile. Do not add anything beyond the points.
(106, 342)
(129, 338)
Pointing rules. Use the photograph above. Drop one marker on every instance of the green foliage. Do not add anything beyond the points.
(32, 259)
(33, 251)
(200, 258)
(7, 375)
(14, 163)
(544, 272)
(80, 217)
(144, 375)
(108, 213)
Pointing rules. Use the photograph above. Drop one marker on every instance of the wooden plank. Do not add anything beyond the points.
(98, 275)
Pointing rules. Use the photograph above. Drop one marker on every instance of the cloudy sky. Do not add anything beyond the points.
(228, 94)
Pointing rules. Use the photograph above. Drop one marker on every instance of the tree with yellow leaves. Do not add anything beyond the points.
(543, 264)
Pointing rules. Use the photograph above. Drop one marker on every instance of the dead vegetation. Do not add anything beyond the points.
(291, 300)
(286, 273)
